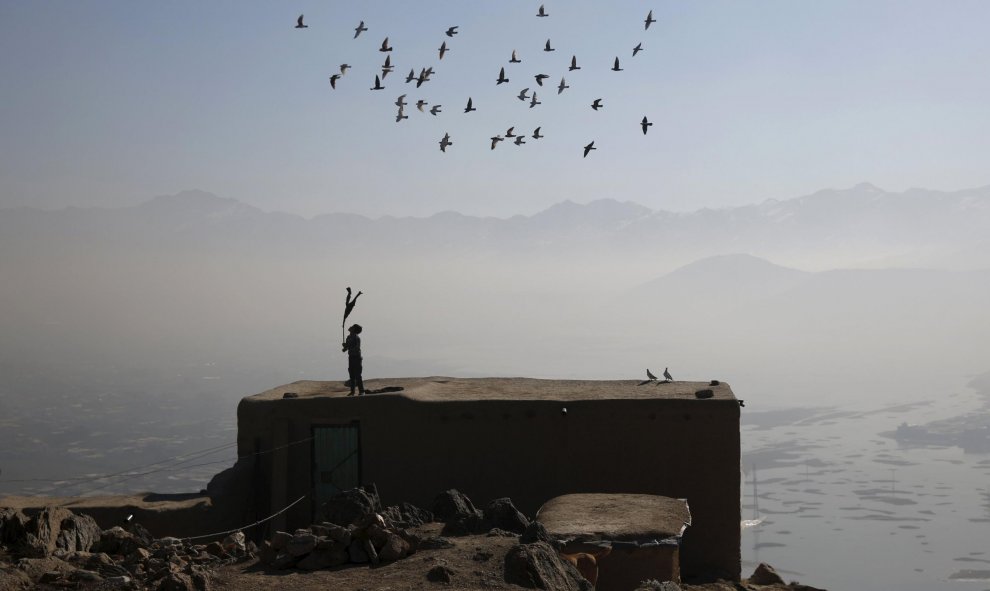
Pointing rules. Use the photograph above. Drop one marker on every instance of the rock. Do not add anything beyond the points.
(502, 514)
(440, 574)
(215, 549)
(702, 394)
(346, 507)
(234, 544)
(50, 577)
(78, 533)
(537, 532)
(138, 556)
(281, 539)
(451, 504)
(284, 560)
(13, 528)
(140, 533)
(406, 515)
(119, 581)
(45, 527)
(395, 548)
(323, 559)
(267, 553)
(301, 544)
(765, 575)
(435, 543)
(538, 566)
(117, 541)
(655, 585)
(500, 533)
(357, 553)
(82, 575)
(176, 582)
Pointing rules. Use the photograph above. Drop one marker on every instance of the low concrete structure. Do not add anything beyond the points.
(642, 534)
(531, 440)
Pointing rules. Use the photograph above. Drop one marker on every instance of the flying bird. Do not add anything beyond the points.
(562, 86)
(574, 65)
(359, 29)
(378, 83)
(495, 140)
(451, 31)
(420, 104)
(400, 116)
(547, 47)
(299, 23)
(666, 375)
(520, 140)
(501, 77)
(385, 46)
(343, 68)
(616, 68)
(424, 76)
(637, 49)
(597, 104)
(645, 124)
(536, 134)
(589, 148)
(514, 59)
(469, 108)
(387, 66)
(649, 374)
(401, 101)
(435, 109)
(533, 102)
(508, 132)
(522, 94)
(649, 20)
(333, 81)
(542, 12)
(411, 76)
(540, 78)
(445, 142)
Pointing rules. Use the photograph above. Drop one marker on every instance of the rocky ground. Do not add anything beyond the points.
(359, 546)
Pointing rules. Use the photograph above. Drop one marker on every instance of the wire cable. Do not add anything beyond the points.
(259, 522)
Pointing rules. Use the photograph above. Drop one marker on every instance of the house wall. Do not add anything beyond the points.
(524, 449)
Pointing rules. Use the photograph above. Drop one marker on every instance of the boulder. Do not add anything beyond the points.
(356, 552)
(537, 532)
(765, 575)
(13, 528)
(538, 566)
(502, 514)
(117, 541)
(406, 515)
(280, 540)
(346, 507)
(301, 544)
(435, 543)
(176, 582)
(78, 533)
(451, 504)
(234, 544)
(655, 585)
(440, 573)
(45, 528)
(395, 548)
(215, 549)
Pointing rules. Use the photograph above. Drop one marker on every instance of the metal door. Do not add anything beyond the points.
(336, 460)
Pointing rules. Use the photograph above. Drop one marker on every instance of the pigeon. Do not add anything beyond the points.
(540, 78)
(508, 132)
(533, 102)
(574, 65)
(359, 29)
(650, 375)
(445, 142)
(649, 20)
(423, 77)
(522, 94)
(616, 68)
(645, 124)
(469, 108)
(520, 140)
(514, 59)
(400, 116)
(411, 76)
(443, 49)
(435, 109)
(536, 134)
(666, 375)
(385, 46)
(547, 47)
(387, 66)
(378, 83)
(562, 86)
(501, 77)
(451, 32)
(333, 81)
(343, 68)
(495, 140)
(589, 148)
(420, 104)
(597, 104)
(637, 49)
(542, 12)
(401, 101)
(299, 23)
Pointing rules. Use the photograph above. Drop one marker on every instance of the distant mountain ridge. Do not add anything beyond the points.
(862, 225)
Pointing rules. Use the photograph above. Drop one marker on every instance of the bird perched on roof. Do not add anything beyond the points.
(597, 104)
(501, 77)
(542, 12)
(616, 68)
(533, 102)
(547, 47)
(666, 375)
(333, 81)
(645, 124)
(520, 140)
(469, 108)
(649, 374)
(443, 49)
(514, 59)
(495, 140)
(445, 142)
(359, 29)
(385, 46)
(378, 84)
(649, 20)
(299, 23)
(637, 49)
(562, 86)
(451, 31)
(420, 104)
(435, 109)
(540, 78)
(574, 65)
(536, 134)
(589, 148)
(522, 94)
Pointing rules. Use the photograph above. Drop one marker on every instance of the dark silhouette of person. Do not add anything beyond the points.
(353, 348)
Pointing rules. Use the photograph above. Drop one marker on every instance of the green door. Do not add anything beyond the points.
(336, 460)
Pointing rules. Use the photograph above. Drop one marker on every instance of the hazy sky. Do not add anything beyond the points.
(111, 103)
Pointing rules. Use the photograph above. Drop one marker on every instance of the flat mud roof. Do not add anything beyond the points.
(443, 389)
(614, 517)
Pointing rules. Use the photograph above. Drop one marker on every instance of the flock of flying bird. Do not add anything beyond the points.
(524, 95)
